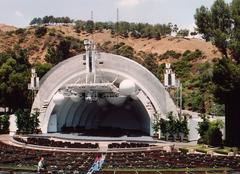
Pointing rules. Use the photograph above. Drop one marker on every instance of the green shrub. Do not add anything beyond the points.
(42, 69)
(170, 54)
(214, 136)
(59, 53)
(52, 33)
(210, 131)
(40, 31)
(10, 33)
(20, 31)
(182, 68)
(186, 53)
(4, 123)
(193, 55)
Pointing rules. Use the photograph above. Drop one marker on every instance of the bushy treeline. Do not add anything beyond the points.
(50, 19)
(126, 29)
(122, 28)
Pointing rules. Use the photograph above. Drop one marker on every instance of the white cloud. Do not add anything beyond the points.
(133, 3)
(19, 14)
(128, 3)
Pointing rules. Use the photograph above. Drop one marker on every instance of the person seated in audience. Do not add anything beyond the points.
(41, 165)
(172, 148)
(98, 160)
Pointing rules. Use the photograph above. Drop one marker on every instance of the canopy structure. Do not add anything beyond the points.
(96, 90)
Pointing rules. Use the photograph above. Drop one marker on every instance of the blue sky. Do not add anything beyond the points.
(180, 12)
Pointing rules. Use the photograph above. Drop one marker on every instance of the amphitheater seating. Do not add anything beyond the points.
(149, 172)
(56, 161)
(161, 159)
(149, 159)
(52, 143)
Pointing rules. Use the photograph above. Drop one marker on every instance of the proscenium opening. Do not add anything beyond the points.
(130, 118)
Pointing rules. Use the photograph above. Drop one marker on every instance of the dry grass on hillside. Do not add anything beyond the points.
(38, 46)
(4, 27)
(150, 45)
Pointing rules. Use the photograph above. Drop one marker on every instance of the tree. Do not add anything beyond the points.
(150, 63)
(89, 27)
(126, 51)
(182, 68)
(210, 132)
(184, 126)
(203, 22)
(203, 128)
(36, 21)
(165, 128)
(156, 122)
(175, 28)
(26, 122)
(40, 31)
(63, 48)
(79, 25)
(214, 133)
(222, 28)
(22, 120)
(226, 77)
(4, 123)
(59, 53)
(183, 33)
(123, 28)
(234, 43)
(42, 69)
(193, 33)
(215, 24)
(172, 125)
(34, 120)
(14, 77)
(51, 56)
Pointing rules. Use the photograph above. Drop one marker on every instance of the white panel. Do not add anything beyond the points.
(87, 61)
(173, 79)
(52, 125)
(165, 79)
(37, 80)
(193, 125)
(13, 125)
(93, 63)
(32, 82)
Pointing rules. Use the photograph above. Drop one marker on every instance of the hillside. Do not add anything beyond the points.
(148, 45)
(4, 27)
(38, 46)
(192, 59)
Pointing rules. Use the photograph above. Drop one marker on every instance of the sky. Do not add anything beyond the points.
(181, 12)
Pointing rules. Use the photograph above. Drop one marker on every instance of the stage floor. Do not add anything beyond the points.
(77, 137)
